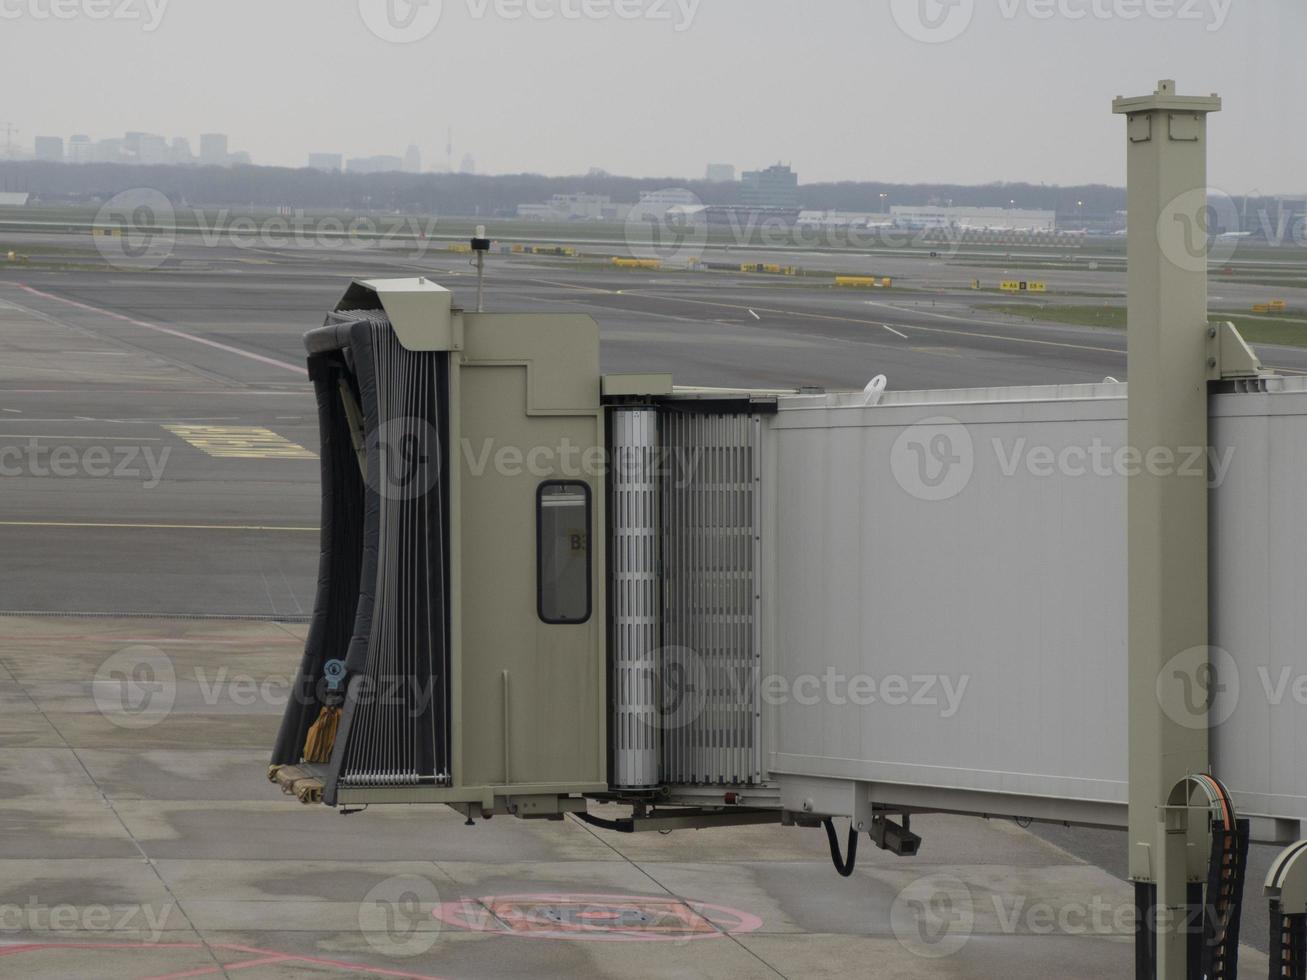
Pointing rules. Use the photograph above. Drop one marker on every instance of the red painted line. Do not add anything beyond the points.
(206, 971)
(19, 948)
(518, 916)
(284, 365)
(336, 964)
(361, 968)
(34, 947)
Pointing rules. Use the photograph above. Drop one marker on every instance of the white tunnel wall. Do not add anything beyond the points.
(997, 609)
(1010, 595)
(1259, 601)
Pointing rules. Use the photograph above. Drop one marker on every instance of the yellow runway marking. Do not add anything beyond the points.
(240, 442)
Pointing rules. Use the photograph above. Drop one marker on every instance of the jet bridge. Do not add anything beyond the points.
(731, 607)
(540, 585)
(542, 588)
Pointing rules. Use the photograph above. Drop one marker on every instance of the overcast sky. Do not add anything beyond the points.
(966, 91)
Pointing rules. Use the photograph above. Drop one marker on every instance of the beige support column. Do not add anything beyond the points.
(1168, 552)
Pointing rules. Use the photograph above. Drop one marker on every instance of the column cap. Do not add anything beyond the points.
(1165, 99)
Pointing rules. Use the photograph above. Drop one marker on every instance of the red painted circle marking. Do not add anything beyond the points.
(596, 918)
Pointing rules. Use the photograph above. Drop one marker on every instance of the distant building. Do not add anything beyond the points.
(151, 149)
(213, 149)
(374, 165)
(974, 219)
(720, 173)
(144, 148)
(571, 207)
(660, 202)
(109, 151)
(180, 151)
(50, 149)
(328, 163)
(841, 219)
(583, 206)
(240, 158)
(10, 199)
(413, 160)
(775, 187)
(742, 217)
(137, 147)
(80, 149)
(469, 165)
(538, 212)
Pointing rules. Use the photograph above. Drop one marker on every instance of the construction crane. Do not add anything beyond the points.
(10, 130)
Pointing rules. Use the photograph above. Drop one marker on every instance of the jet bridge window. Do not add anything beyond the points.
(563, 528)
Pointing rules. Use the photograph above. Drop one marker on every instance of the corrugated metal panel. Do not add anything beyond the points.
(1259, 600)
(396, 726)
(711, 489)
(965, 631)
(636, 598)
(942, 616)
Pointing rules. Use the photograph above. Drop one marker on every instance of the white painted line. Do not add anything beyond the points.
(894, 332)
(754, 315)
(60, 435)
(151, 421)
(158, 527)
(272, 361)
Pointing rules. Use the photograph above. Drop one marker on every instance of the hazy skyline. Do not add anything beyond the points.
(949, 91)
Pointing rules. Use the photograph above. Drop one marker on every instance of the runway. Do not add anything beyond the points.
(116, 360)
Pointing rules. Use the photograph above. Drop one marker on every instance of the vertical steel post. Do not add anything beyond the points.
(1168, 548)
(481, 281)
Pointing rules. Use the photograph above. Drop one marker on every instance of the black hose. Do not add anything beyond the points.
(623, 826)
(844, 865)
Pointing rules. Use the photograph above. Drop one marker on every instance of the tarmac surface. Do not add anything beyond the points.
(139, 837)
(160, 506)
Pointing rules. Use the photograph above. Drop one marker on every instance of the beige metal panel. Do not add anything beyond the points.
(563, 352)
(617, 385)
(420, 312)
(1167, 253)
(455, 470)
(1286, 882)
(532, 694)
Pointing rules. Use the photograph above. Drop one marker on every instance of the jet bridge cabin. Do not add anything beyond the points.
(456, 653)
(541, 587)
